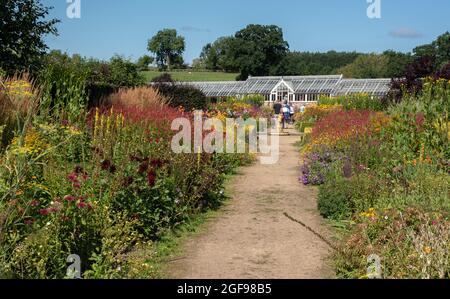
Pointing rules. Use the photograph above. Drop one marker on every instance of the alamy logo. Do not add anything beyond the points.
(374, 9)
(74, 269)
(374, 269)
(74, 9)
(212, 135)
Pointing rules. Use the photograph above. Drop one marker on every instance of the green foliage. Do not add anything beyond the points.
(80, 81)
(64, 89)
(353, 101)
(334, 199)
(309, 63)
(366, 66)
(180, 95)
(257, 48)
(191, 75)
(254, 50)
(102, 188)
(392, 195)
(438, 49)
(396, 63)
(254, 100)
(421, 123)
(218, 55)
(412, 244)
(168, 47)
(24, 26)
(123, 73)
(144, 62)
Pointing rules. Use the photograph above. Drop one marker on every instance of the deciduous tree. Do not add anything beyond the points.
(23, 26)
(168, 47)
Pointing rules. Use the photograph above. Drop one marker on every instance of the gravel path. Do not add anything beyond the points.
(252, 238)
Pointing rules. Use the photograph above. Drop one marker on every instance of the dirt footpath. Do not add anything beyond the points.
(252, 238)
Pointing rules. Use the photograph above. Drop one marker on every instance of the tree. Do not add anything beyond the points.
(256, 49)
(198, 64)
(144, 62)
(218, 55)
(308, 63)
(22, 31)
(439, 50)
(366, 66)
(124, 73)
(168, 47)
(397, 63)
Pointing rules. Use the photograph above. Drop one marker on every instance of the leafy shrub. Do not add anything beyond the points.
(393, 182)
(354, 101)
(412, 243)
(255, 100)
(98, 187)
(63, 90)
(334, 199)
(180, 95)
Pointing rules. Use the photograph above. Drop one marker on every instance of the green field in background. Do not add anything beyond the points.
(192, 76)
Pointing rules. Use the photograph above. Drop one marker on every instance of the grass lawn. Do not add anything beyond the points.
(193, 76)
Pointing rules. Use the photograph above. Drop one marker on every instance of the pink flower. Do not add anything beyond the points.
(72, 177)
(81, 205)
(35, 203)
(44, 212)
(69, 198)
(29, 221)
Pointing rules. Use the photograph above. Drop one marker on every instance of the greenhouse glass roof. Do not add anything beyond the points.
(330, 84)
(377, 87)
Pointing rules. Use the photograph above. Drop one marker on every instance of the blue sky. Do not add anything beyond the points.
(109, 27)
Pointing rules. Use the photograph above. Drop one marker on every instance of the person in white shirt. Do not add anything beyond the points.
(292, 112)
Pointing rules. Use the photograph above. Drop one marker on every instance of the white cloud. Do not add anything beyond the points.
(404, 32)
(194, 29)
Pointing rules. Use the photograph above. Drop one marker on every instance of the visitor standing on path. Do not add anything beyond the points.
(277, 107)
(286, 114)
(292, 112)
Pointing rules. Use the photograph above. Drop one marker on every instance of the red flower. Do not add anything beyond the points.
(156, 163)
(143, 167)
(151, 178)
(69, 198)
(35, 203)
(105, 165)
(29, 221)
(81, 205)
(44, 212)
(72, 177)
(420, 121)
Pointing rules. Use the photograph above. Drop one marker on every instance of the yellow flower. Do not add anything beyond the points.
(308, 130)
(33, 144)
(427, 249)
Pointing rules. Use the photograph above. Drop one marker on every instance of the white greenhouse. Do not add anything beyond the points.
(295, 89)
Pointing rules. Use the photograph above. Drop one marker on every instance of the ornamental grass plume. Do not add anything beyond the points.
(18, 97)
(141, 97)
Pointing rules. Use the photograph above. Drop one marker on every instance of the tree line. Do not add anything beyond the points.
(256, 50)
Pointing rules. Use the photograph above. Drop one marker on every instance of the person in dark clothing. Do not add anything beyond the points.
(277, 108)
